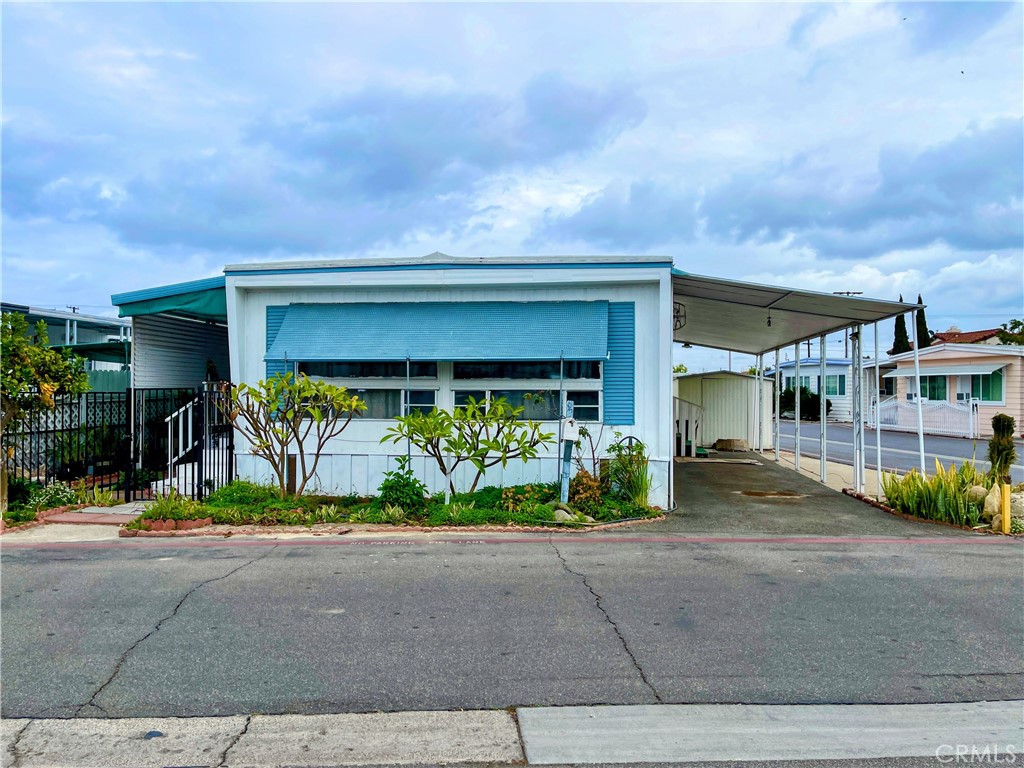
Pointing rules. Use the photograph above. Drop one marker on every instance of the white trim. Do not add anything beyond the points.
(981, 349)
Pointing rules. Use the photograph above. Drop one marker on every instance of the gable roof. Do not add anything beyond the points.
(966, 337)
(969, 350)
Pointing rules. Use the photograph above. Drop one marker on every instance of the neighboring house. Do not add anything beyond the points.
(988, 376)
(104, 342)
(954, 335)
(838, 382)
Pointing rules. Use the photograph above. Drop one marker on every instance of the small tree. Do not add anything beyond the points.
(679, 368)
(479, 433)
(290, 415)
(1002, 453)
(901, 341)
(1012, 333)
(32, 374)
(924, 336)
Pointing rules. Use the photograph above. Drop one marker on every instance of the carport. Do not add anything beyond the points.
(762, 320)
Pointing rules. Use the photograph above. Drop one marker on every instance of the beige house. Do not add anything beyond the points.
(959, 381)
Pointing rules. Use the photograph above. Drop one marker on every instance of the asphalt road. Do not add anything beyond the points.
(899, 449)
(160, 628)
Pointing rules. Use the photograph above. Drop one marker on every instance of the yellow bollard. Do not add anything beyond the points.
(1006, 507)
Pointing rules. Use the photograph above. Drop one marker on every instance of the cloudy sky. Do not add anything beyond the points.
(867, 147)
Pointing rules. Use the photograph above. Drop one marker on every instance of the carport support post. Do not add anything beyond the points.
(760, 403)
(917, 378)
(878, 420)
(775, 415)
(823, 411)
(797, 391)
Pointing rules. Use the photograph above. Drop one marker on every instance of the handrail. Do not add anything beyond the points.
(189, 404)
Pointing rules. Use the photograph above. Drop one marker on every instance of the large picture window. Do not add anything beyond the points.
(987, 387)
(539, 405)
(835, 385)
(391, 403)
(369, 370)
(550, 369)
(932, 387)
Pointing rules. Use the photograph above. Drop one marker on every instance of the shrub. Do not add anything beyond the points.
(585, 493)
(523, 498)
(241, 493)
(19, 515)
(1002, 452)
(173, 506)
(628, 472)
(943, 497)
(810, 403)
(20, 490)
(53, 495)
(403, 490)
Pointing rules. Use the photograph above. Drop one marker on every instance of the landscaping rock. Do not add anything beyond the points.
(1017, 505)
(977, 494)
(589, 519)
(993, 503)
(997, 523)
(562, 516)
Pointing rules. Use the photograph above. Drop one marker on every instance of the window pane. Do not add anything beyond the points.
(422, 400)
(537, 406)
(585, 404)
(361, 370)
(987, 387)
(381, 403)
(842, 383)
(527, 370)
(462, 396)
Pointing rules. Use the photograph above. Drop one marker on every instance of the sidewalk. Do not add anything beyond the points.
(839, 475)
(542, 736)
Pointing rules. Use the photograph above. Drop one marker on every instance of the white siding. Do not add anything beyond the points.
(167, 352)
(358, 460)
(730, 410)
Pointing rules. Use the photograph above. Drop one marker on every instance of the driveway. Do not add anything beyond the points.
(719, 498)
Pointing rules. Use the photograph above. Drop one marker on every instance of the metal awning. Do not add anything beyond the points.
(443, 330)
(730, 315)
(195, 300)
(103, 351)
(963, 369)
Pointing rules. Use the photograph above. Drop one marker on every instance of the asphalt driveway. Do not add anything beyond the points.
(718, 498)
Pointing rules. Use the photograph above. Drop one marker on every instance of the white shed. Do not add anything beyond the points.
(723, 405)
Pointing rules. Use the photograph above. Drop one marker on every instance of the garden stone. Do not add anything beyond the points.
(564, 507)
(997, 523)
(1017, 505)
(589, 519)
(562, 516)
(993, 503)
(977, 494)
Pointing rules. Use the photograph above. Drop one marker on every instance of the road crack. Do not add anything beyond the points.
(598, 601)
(156, 628)
(234, 741)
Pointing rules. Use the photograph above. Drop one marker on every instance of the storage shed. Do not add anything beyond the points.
(723, 405)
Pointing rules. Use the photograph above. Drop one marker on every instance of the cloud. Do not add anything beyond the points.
(935, 26)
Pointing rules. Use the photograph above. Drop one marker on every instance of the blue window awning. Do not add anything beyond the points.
(448, 330)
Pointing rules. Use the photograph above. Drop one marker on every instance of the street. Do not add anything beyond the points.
(177, 628)
(899, 449)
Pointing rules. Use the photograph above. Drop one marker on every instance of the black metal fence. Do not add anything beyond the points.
(122, 441)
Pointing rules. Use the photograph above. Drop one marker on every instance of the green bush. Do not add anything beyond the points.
(628, 473)
(15, 515)
(401, 488)
(20, 490)
(810, 404)
(174, 506)
(586, 493)
(943, 497)
(242, 493)
(53, 495)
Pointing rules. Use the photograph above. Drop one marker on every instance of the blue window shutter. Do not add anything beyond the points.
(620, 367)
(275, 316)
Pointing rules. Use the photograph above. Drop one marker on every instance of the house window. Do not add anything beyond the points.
(550, 369)
(391, 403)
(987, 387)
(369, 370)
(835, 385)
(805, 382)
(932, 387)
(539, 405)
(586, 404)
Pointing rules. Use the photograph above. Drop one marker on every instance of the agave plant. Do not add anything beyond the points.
(942, 497)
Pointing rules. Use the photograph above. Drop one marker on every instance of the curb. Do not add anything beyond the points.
(41, 519)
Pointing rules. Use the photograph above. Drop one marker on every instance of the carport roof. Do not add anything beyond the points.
(731, 315)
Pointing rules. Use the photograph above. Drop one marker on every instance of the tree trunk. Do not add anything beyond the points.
(3, 486)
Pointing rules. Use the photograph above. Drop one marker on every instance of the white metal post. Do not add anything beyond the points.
(796, 392)
(917, 378)
(878, 419)
(760, 403)
(775, 416)
(823, 412)
(860, 406)
(855, 407)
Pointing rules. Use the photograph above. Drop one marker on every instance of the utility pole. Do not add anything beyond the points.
(846, 332)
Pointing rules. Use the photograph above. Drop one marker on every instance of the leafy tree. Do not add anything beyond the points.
(924, 336)
(290, 415)
(1012, 333)
(810, 404)
(901, 341)
(33, 374)
(479, 433)
(680, 368)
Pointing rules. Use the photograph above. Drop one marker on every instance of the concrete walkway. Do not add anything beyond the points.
(545, 736)
(119, 514)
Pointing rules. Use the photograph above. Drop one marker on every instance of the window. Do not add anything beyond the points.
(987, 387)
(835, 385)
(540, 405)
(805, 381)
(586, 404)
(369, 370)
(390, 403)
(572, 369)
(932, 387)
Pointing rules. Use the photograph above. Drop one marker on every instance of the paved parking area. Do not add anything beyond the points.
(721, 498)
